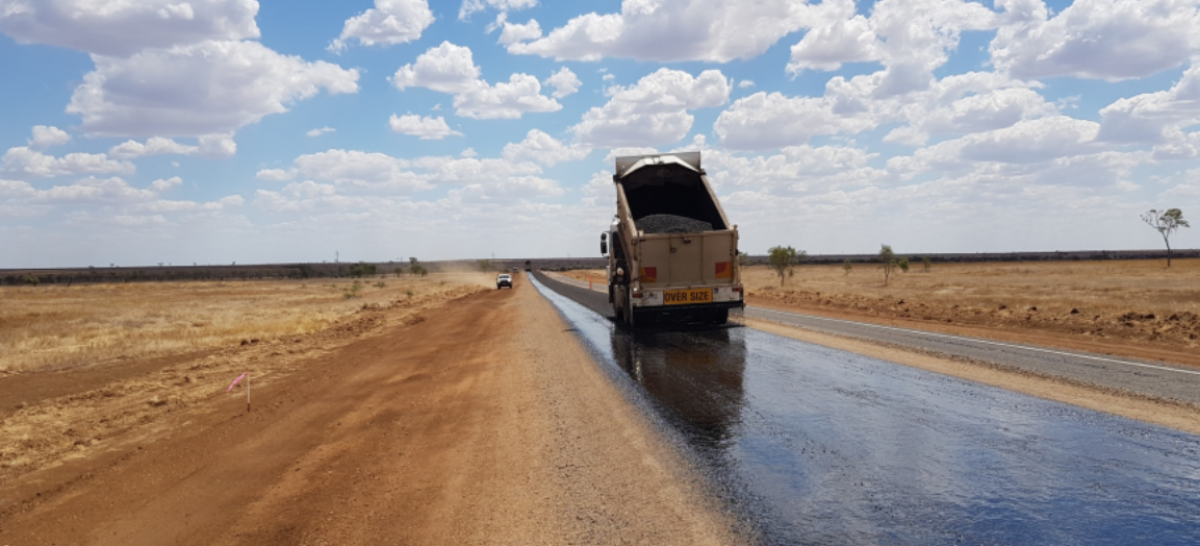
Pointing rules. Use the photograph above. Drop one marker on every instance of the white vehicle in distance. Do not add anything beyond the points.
(504, 279)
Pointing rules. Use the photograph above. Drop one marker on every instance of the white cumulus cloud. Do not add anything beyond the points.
(22, 162)
(516, 32)
(1099, 39)
(672, 30)
(361, 169)
(126, 27)
(153, 146)
(772, 120)
(164, 184)
(390, 22)
(1156, 118)
(1024, 143)
(201, 89)
(564, 83)
(839, 35)
(544, 149)
(449, 68)
(428, 128)
(911, 38)
(276, 175)
(44, 137)
(472, 6)
(654, 111)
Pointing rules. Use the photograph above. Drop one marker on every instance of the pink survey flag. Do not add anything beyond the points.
(235, 382)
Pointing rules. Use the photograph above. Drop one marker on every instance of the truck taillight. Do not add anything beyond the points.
(637, 295)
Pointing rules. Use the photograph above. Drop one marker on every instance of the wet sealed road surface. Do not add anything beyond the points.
(819, 446)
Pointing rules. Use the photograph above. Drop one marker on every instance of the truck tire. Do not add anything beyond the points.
(721, 316)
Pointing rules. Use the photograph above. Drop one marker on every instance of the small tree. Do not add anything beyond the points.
(362, 269)
(416, 268)
(485, 265)
(783, 261)
(1166, 224)
(904, 265)
(399, 271)
(888, 262)
(743, 259)
(846, 266)
(925, 263)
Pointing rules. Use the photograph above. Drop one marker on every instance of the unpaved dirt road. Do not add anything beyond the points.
(486, 423)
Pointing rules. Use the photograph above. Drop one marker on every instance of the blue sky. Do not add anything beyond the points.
(214, 131)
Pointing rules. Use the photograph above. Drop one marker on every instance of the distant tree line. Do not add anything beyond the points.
(68, 277)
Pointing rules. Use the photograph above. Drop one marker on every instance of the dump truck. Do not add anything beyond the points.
(674, 254)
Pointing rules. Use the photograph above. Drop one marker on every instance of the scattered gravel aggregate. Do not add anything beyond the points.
(670, 223)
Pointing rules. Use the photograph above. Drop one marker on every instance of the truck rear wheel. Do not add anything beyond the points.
(721, 316)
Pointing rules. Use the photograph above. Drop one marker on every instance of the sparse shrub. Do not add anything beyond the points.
(408, 293)
(416, 268)
(783, 260)
(352, 291)
(485, 265)
(847, 267)
(399, 271)
(888, 262)
(380, 284)
(362, 269)
(31, 280)
(925, 263)
(903, 265)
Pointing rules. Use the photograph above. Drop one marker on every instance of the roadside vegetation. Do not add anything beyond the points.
(1165, 223)
(782, 260)
(1114, 299)
(52, 327)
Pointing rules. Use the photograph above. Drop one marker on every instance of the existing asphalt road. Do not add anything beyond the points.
(1153, 379)
(1144, 378)
(819, 446)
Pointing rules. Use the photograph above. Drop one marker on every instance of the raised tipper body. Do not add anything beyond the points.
(674, 252)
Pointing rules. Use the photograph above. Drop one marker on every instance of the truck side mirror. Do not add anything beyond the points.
(603, 244)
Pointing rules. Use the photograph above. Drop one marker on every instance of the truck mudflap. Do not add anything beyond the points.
(708, 313)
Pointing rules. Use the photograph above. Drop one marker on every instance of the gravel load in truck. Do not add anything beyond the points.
(670, 223)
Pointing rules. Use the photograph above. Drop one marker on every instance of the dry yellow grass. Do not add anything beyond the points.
(52, 327)
(1143, 286)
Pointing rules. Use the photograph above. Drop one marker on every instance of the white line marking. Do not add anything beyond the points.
(985, 342)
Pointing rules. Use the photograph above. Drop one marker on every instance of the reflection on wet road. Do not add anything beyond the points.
(826, 447)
